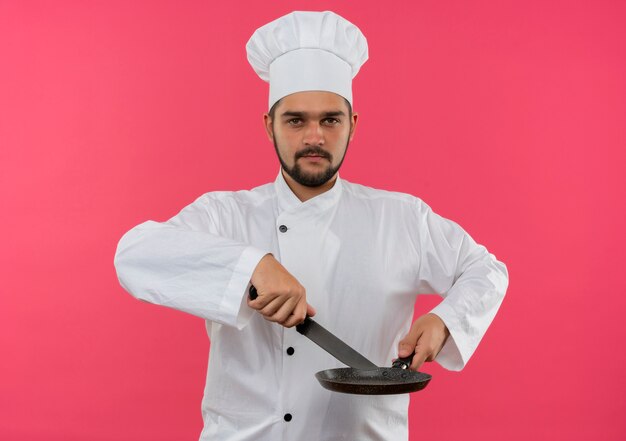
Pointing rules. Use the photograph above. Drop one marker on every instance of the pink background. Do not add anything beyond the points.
(507, 117)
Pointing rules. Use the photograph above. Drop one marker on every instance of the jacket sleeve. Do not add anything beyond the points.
(187, 265)
(469, 278)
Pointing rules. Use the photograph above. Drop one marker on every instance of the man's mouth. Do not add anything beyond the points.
(314, 158)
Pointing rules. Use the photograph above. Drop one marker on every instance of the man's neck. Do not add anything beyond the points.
(305, 193)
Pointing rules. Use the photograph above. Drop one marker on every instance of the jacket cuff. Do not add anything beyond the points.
(452, 356)
(234, 309)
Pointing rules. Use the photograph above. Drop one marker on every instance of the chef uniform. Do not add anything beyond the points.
(362, 254)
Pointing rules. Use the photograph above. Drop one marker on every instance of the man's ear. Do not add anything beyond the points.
(269, 129)
(355, 118)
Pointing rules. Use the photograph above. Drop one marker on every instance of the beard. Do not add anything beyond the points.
(306, 178)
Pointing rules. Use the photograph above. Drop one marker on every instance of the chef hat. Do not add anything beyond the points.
(307, 50)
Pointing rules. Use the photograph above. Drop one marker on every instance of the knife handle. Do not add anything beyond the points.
(301, 328)
(253, 294)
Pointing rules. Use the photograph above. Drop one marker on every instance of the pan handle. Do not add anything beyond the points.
(403, 363)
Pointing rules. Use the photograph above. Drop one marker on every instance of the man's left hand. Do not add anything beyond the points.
(427, 336)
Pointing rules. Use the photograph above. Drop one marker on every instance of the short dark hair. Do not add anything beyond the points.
(273, 109)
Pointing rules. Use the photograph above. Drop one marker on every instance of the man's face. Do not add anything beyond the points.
(311, 132)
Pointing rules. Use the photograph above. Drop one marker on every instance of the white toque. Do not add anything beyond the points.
(307, 50)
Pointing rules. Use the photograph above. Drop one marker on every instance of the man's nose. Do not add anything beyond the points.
(313, 135)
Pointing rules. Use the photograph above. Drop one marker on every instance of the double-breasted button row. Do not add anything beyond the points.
(290, 351)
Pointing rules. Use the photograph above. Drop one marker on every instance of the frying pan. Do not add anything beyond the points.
(380, 381)
(397, 379)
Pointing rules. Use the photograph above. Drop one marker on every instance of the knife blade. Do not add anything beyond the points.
(333, 345)
(328, 341)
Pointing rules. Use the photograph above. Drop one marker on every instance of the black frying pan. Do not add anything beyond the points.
(382, 381)
(397, 379)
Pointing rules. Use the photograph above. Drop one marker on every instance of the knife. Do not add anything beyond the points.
(327, 341)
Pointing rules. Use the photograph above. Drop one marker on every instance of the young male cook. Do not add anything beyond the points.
(310, 242)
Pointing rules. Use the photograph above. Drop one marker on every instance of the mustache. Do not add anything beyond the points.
(314, 150)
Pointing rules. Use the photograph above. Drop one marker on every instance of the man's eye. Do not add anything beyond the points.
(332, 121)
(294, 121)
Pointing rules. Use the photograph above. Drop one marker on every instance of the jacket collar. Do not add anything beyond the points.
(288, 201)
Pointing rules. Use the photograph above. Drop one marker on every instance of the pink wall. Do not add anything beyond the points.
(507, 117)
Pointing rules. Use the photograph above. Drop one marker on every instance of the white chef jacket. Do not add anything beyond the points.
(363, 256)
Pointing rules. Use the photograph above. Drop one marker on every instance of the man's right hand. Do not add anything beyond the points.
(281, 298)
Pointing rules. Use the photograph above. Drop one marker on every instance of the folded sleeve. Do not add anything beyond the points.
(471, 281)
(186, 264)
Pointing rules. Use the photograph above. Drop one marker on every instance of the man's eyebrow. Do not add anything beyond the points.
(334, 113)
(306, 114)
